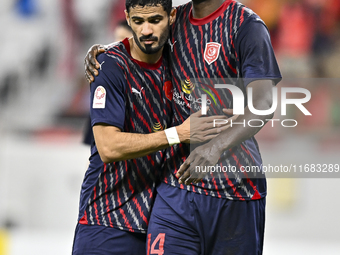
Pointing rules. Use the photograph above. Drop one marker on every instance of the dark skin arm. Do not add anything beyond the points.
(209, 153)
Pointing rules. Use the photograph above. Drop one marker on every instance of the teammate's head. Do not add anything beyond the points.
(122, 31)
(150, 22)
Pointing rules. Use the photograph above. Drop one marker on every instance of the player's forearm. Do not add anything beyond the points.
(114, 145)
(125, 146)
(239, 131)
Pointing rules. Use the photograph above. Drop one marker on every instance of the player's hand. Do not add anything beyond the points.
(199, 128)
(91, 63)
(204, 155)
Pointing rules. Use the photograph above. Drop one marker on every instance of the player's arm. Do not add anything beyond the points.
(209, 153)
(115, 145)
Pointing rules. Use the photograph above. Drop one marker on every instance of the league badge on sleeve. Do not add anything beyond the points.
(99, 98)
(212, 51)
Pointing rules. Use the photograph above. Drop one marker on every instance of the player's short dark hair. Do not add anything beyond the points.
(167, 4)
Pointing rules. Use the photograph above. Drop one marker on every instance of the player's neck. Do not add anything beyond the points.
(203, 8)
(139, 55)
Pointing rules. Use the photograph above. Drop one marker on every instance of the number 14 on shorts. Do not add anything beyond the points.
(159, 241)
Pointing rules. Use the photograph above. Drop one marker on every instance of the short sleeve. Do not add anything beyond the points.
(255, 51)
(108, 93)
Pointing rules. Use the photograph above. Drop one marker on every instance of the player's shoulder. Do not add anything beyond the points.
(114, 60)
(245, 14)
(244, 20)
(183, 8)
(115, 54)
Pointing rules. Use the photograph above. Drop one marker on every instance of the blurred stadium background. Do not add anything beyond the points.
(44, 104)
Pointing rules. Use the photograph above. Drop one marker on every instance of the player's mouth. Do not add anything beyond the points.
(148, 42)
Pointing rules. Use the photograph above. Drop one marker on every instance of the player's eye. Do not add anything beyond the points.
(155, 21)
(137, 22)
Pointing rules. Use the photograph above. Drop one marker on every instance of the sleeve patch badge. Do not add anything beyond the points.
(99, 98)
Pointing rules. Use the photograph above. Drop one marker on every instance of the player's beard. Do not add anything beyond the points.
(149, 49)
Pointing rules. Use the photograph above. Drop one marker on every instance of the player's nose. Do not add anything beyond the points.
(147, 29)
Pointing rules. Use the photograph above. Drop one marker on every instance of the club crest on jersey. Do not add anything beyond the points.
(212, 51)
(99, 98)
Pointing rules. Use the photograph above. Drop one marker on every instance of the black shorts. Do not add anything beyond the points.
(184, 222)
(100, 240)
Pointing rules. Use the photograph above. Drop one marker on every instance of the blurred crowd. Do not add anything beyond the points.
(306, 38)
(42, 52)
(305, 35)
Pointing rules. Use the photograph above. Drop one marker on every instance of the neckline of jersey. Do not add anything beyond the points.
(210, 17)
(140, 63)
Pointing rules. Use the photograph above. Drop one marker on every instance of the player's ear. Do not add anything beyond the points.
(173, 16)
(127, 17)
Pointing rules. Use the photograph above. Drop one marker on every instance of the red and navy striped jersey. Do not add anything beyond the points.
(135, 97)
(230, 46)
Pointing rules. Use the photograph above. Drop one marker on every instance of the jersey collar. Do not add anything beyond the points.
(210, 17)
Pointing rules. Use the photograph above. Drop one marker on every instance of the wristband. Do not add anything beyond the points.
(172, 136)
